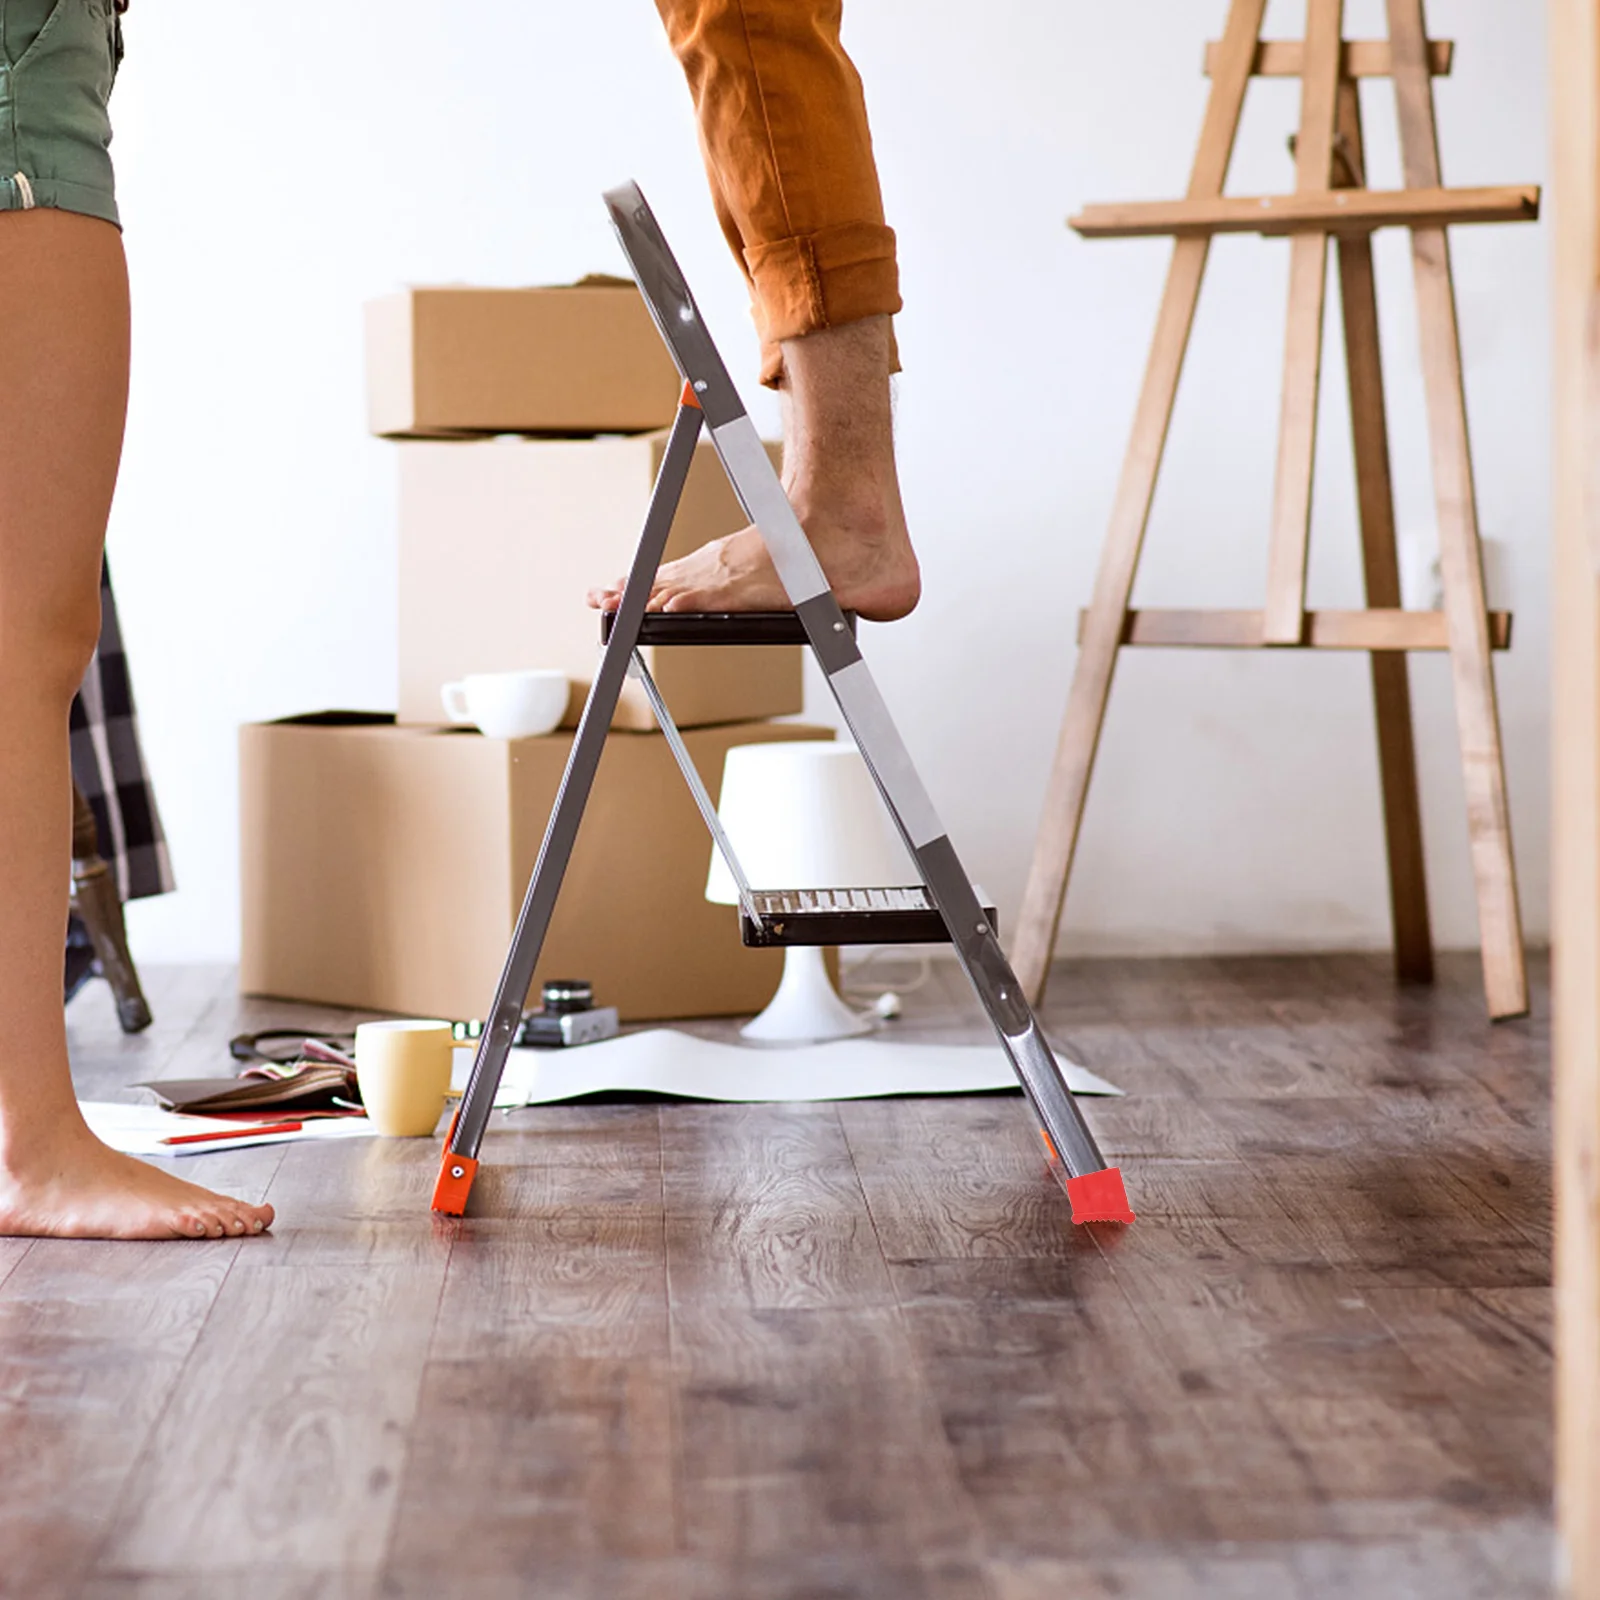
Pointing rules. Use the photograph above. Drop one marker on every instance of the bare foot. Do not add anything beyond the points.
(839, 471)
(79, 1188)
(865, 552)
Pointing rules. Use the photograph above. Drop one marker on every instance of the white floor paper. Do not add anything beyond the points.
(139, 1130)
(666, 1061)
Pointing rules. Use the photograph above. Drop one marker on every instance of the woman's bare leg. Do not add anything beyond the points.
(839, 469)
(63, 393)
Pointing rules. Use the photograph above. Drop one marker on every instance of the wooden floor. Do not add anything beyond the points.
(825, 1352)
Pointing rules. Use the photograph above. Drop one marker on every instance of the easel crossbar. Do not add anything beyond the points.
(1377, 630)
(1361, 58)
(1328, 211)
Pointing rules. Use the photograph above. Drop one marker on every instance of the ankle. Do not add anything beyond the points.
(40, 1142)
(865, 507)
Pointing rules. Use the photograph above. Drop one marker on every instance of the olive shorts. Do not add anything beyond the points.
(58, 59)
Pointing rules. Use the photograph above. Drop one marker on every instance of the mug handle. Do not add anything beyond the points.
(454, 696)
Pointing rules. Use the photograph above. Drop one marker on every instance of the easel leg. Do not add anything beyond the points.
(1119, 561)
(1505, 976)
(1284, 617)
(1391, 689)
(1068, 788)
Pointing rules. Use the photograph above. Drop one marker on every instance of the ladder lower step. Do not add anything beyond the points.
(717, 627)
(846, 916)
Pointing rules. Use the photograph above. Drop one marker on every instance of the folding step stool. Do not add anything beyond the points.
(943, 906)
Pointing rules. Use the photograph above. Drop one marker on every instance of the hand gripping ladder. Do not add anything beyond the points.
(943, 905)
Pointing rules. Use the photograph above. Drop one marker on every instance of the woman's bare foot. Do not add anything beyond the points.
(75, 1187)
(867, 557)
(839, 471)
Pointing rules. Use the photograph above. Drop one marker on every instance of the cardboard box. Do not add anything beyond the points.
(384, 866)
(580, 359)
(500, 540)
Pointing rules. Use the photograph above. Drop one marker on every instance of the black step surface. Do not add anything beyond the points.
(846, 916)
(718, 627)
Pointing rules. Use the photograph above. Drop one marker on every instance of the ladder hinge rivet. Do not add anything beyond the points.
(700, 386)
(983, 927)
(838, 627)
(456, 1172)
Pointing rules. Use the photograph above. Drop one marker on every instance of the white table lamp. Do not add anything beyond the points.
(805, 816)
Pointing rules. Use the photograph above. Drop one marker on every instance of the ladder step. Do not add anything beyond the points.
(847, 916)
(718, 627)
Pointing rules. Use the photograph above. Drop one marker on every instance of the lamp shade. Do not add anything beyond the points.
(805, 816)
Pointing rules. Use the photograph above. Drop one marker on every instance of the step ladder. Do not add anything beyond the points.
(943, 906)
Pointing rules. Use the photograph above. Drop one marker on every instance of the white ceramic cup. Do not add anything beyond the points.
(508, 705)
(403, 1068)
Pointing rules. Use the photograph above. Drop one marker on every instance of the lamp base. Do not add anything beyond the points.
(806, 1009)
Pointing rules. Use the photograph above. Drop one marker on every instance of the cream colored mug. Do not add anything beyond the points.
(403, 1069)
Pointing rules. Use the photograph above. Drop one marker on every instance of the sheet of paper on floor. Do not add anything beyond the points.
(138, 1130)
(668, 1061)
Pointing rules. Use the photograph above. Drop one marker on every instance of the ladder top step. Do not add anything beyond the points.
(718, 627)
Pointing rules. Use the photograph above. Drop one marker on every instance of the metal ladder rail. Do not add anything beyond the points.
(459, 1165)
(1070, 1147)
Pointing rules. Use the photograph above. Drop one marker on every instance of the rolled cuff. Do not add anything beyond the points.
(821, 280)
(57, 194)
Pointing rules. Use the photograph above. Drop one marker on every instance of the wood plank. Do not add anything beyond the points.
(1321, 1345)
(535, 1476)
(1460, 553)
(1575, 880)
(1380, 629)
(1079, 739)
(1288, 542)
(1241, 1576)
(1489, 1350)
(1384, 1463)
(1059, 1463)
(307, 1468)
(764, 1209)
(1334, 211)
(93, 1339)
(958, 1179)
(265, 1582)
(1360, 58)
(802, 1434)
(1380, 564)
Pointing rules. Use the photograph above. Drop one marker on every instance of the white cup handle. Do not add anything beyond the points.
(454, 696)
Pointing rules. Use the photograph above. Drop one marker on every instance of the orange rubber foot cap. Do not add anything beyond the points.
(1099, 1197)
(455, 1184)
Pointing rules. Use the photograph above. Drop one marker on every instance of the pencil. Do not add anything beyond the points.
(242, 1132)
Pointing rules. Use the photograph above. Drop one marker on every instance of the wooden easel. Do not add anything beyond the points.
(1330, 200)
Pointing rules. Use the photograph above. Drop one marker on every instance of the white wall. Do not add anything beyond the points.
(278, 168)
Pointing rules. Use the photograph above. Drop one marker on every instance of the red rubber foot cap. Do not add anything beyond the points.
(455, 1184)
(1099, 1197)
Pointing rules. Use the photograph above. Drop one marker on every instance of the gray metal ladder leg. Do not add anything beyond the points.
(460, 1163)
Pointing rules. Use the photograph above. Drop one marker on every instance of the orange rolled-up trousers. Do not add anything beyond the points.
(783, 130)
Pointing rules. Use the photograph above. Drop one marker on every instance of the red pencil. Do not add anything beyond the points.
(234, 1133)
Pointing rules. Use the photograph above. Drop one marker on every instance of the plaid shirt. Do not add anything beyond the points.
(109, 767)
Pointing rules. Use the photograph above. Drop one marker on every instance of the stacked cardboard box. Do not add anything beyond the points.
(385, 858)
